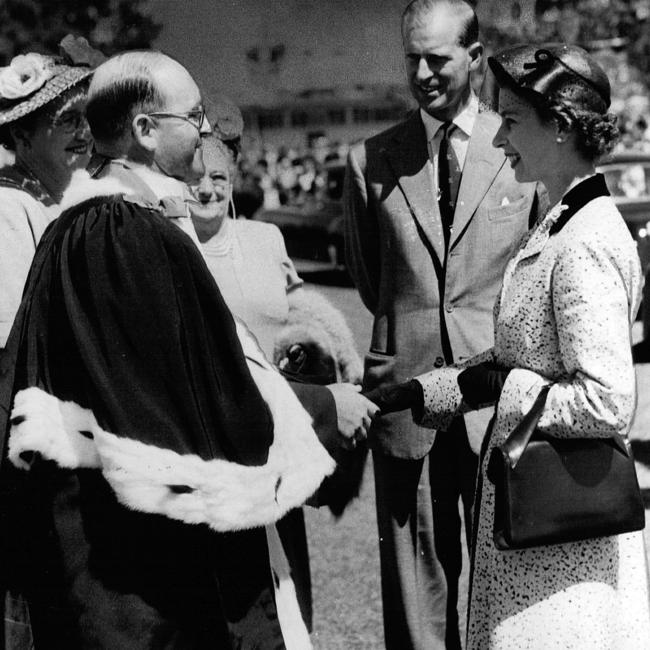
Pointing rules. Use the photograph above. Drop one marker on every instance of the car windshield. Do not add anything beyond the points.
(629, 180)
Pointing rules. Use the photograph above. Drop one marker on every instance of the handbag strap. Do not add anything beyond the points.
(518, 439)
(516, 443)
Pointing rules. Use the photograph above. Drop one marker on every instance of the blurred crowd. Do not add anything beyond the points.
(273, 176)
(270, 177)
(634, 123)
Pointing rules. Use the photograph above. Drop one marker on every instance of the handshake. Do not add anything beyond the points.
(356, 410)
(479, 385)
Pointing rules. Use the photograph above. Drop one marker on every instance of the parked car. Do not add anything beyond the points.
(628, 178)
(313, 231)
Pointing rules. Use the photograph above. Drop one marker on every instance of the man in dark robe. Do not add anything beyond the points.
(148, 446)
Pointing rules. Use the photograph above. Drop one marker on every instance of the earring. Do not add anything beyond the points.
(559, 139)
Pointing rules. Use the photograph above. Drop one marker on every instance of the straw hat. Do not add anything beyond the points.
(32, 80)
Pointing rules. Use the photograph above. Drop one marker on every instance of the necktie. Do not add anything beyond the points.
(449, 172)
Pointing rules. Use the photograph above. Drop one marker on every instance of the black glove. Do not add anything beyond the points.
(483, 383)
(397, 397)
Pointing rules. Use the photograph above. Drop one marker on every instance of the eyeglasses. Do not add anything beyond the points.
(196, 117)
(69, 121)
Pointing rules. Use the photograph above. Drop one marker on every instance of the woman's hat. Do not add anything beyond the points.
(553, 71)
(227, 121)
(32, 80)
(227, 124)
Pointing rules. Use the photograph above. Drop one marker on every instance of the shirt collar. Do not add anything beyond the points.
(160, 185)
(464, 120)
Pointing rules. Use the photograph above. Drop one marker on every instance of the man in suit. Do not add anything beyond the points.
(432, 213)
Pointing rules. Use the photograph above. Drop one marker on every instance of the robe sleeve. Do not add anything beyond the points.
(157, 344)
(128, 361)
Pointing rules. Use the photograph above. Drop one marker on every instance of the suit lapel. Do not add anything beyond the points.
(482, 164)
(409, 161)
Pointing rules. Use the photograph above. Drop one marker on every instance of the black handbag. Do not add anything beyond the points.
(555, 490)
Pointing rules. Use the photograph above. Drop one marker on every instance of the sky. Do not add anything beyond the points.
(338, 43)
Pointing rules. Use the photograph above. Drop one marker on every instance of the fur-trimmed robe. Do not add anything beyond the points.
(145, 430)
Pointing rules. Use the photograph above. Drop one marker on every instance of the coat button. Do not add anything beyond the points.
(449, 308)
(439, 362)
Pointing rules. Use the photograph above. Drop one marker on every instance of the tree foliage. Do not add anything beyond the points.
(596, 23)
(109, 25)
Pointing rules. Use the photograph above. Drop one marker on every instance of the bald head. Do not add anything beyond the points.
(125, 85)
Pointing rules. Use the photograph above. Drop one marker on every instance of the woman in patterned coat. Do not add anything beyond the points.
(563, 318)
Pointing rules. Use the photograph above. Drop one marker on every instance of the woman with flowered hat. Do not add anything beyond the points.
(42, 104)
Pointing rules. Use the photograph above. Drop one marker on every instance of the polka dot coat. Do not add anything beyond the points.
(563, 318)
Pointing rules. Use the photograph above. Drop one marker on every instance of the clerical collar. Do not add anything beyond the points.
(464, 120)
(577, 197)
(161, 186)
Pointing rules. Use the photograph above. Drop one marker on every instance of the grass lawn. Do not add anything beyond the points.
(344, 553)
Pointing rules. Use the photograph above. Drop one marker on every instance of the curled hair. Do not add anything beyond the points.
(26, 123)
(229, 149)
(121, 88)
(469, 34)
(596, 133)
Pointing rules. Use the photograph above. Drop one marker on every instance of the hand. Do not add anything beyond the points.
(397, 397)
(354, 412)
(482, 383)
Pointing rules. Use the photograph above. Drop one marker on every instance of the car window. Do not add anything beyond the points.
(629, 180)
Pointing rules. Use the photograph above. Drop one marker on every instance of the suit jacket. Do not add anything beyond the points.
(396, 255)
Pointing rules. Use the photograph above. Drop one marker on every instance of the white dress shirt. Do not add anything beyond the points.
(459, 138)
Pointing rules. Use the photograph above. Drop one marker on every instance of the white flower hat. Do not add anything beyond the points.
(32, 80)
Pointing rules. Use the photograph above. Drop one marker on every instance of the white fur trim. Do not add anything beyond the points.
(83, 187)
(220, 493)
(42, 423)
(313, 318)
